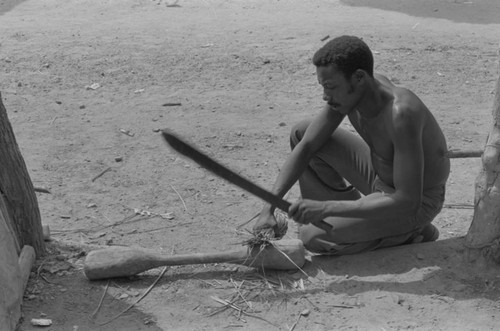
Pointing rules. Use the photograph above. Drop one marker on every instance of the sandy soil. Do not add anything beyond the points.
(85, 84)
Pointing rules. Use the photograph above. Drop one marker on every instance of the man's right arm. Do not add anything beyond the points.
(318, 132)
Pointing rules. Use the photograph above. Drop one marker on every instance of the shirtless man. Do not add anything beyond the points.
(380, 188)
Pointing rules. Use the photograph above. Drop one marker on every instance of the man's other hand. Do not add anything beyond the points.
(271, 226)
(307, 211)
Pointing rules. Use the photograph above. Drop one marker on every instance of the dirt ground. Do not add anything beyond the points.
(87, 85)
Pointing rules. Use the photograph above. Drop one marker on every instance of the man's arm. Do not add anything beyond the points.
(408, 167)
(318, 132)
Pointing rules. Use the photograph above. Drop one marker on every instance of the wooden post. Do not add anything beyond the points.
(483, 238)
(17, 190)
(11, 292)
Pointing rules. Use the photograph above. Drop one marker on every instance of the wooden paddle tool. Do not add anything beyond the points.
(120, 261)
(215, 167)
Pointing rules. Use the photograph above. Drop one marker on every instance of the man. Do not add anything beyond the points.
(380, 188)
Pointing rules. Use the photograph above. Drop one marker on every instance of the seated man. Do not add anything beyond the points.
(381, 187)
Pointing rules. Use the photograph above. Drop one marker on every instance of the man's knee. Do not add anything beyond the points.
(297, 132)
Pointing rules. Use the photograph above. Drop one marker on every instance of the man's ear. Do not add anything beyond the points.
(359, 75)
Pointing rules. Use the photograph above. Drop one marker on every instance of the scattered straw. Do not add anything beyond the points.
(246, 222)
(300, 269)
(138, 300)
(237, 289)
(94, 314)
(250, 289)
(240, 310)
(180, 197)
(268, 235)
(262, 240)
(256, 285)
(275, 233)
(302, 313)
(232, 301)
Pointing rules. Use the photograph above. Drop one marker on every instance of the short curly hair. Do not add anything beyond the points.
(349, 53)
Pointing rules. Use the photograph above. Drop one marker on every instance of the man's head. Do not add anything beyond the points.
(348, 53)
(344, 67)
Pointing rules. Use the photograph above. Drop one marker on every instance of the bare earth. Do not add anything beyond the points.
(242, 74)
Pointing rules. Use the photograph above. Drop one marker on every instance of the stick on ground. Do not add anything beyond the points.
(101, 173)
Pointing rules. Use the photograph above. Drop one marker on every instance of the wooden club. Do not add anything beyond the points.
(120, 261)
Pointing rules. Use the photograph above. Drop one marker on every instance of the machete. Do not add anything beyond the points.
(222, 171)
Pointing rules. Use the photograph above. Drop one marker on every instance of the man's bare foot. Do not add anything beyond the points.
(429, 233)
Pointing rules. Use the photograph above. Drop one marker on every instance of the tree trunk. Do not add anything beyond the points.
(20, 204)
(483, 238)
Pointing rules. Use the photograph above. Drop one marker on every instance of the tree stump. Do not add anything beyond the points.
(483, 238)
(20, 203)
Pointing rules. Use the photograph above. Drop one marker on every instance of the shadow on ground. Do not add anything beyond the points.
(60, 292)
(461, 11)
(6, 5)
(404, 269)
(435, 268)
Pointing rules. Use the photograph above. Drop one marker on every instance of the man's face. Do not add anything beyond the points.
(338, 91)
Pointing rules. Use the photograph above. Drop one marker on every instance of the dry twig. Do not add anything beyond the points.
(180, 197)
(246, 222)
(302, 313)
(41, 190)
(237, 288)
(101, 173)
(138, 300)
(458, 206)
(239, 310)
(100, 301)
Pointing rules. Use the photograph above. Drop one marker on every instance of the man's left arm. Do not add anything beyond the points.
(408, 164)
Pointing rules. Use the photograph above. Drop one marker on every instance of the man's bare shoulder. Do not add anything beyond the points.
(383, 79)
(403, 98)
(406, 109)
(402, 95)
(407, 101)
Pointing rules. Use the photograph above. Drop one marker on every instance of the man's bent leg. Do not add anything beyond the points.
(311, 187)
(344, 156)
(351, 236)
(347, 156)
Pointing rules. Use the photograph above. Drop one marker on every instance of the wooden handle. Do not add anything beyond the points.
(119, 261)
(455, 153)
